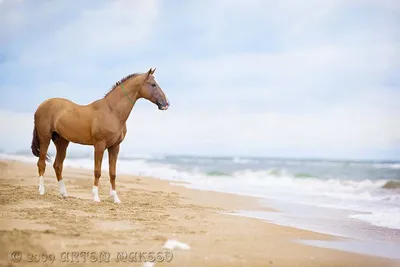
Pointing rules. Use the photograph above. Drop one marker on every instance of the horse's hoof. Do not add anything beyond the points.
(117, 201)
(96, 200)
(41, 191)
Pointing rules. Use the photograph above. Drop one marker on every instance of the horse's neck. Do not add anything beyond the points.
(120, 103)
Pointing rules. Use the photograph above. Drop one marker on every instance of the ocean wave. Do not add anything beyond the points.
(128, 156)
(215, 160)
(280, 179)
(391, 185)
(303, 175)
(216, 173)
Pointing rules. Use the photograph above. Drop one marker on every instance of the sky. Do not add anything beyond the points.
(244, 78)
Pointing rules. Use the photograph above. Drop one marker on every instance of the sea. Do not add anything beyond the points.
(358, 201)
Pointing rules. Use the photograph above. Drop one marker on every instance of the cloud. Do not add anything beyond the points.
(100, 31)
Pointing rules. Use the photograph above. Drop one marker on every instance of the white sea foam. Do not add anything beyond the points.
(389, 218)
(239, 160)
(387, 165)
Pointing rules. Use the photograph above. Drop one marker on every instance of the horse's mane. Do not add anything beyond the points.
(121, 81)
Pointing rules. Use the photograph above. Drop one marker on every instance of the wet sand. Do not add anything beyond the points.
(152, 211)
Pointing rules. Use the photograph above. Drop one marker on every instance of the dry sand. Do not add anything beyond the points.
(151, 212)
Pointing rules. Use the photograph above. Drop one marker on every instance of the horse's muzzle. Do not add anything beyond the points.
(163, 106)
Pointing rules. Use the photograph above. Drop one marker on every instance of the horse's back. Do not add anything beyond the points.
(53, 108)
(54, 103)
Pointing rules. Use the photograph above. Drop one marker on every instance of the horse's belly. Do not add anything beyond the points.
(75, 130)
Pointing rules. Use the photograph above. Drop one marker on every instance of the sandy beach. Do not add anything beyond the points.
(79, 232)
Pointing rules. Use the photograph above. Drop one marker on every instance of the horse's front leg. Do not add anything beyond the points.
(112, 161)
(98, 159)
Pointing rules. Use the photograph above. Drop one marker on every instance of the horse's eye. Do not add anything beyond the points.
(153, 84)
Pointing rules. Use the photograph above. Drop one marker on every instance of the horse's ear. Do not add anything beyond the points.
(149, 73)
(154, 70)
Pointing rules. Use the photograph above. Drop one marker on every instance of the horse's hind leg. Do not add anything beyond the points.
(44, 145)
(61, 147)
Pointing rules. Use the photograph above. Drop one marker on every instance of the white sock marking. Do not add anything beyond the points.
(114, 195)
(41, 185)
(63, 190)
(95, 192)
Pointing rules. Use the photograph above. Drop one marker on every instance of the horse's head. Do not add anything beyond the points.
(150, 90)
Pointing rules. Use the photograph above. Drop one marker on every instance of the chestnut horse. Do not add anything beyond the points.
(101, 124)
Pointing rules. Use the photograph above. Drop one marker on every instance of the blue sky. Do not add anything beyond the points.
(273, 78)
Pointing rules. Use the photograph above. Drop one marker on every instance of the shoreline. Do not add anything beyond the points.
(152, 211)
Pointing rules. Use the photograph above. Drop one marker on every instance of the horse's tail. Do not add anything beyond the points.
(35, 146)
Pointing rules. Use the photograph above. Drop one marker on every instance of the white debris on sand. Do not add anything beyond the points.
(171, 244)
(174, 244)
